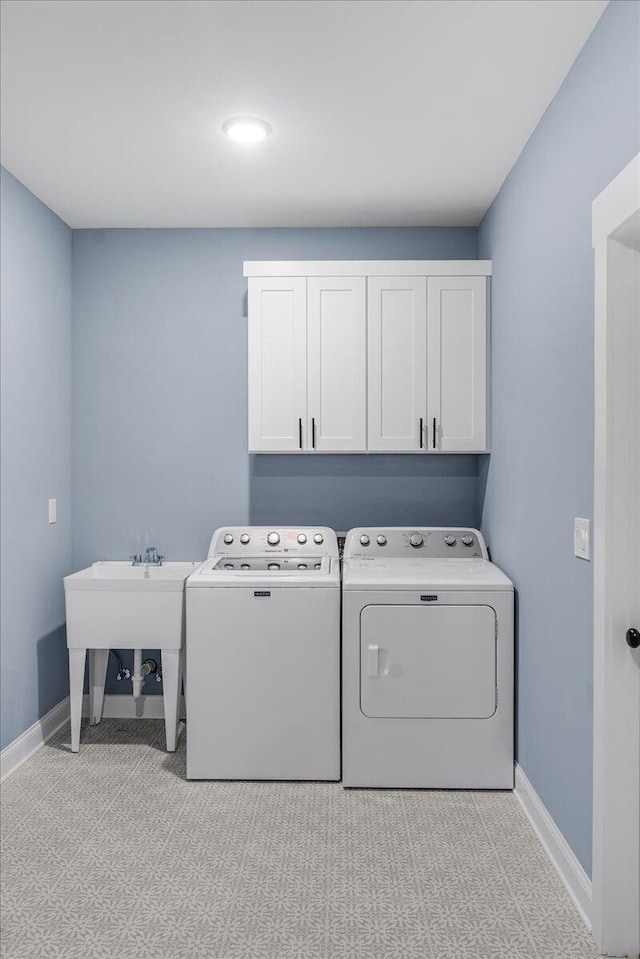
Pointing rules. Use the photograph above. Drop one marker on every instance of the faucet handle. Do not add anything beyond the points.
(152, 556)
(136, 559)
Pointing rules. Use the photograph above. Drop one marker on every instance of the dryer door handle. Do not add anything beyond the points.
(373, 661)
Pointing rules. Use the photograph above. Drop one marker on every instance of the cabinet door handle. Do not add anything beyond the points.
(434, 432)
(313, 432)
(421, 430)
(300, 432)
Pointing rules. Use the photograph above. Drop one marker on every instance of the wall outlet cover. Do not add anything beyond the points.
(582, 538)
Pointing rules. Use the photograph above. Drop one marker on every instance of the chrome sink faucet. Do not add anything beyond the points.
(151, 558)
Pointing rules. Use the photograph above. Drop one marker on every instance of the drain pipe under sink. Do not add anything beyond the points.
(140, 671)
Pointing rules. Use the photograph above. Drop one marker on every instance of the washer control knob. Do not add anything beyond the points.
(273, 539)
(318, 539)
(450, 540)
(244, 539)
(364, 540)
(416, 540)
(381, 540)
(467, 540)
(302, 538)
(228, 538)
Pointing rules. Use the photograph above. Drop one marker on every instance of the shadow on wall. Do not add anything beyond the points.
(483, 462)
(364, 490)
(53, 669)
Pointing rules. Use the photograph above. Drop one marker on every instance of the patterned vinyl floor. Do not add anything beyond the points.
(112, 854)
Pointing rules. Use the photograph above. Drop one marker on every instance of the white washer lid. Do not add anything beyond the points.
(207, 576)
(418, 573)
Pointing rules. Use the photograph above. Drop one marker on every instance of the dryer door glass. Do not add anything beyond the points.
(428, 662)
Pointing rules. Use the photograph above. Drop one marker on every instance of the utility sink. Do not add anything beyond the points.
(118, 605)
(115, 605)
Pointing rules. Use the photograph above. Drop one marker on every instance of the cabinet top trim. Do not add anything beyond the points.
(367, 268)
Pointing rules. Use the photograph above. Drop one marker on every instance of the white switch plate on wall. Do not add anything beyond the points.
(582, 538)
(52, 511)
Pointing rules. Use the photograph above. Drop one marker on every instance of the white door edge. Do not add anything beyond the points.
(616, 786)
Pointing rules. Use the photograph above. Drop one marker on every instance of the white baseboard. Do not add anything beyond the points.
(573, 876)
(32, 739)
(115, 707)
(118, 706)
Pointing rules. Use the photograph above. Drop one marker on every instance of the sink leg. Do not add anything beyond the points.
(172, 668)
(98, 662)
(77, 658)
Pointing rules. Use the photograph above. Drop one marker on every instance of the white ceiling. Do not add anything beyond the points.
(384, 112)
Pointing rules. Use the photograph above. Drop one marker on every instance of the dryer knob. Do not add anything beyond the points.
(244, 539)
(302, 538)
(416, 540)
(364, 540)
(467, 540)
(381, 540)
(318, 539)
(228, 538)
(450, 540)
(273, 539)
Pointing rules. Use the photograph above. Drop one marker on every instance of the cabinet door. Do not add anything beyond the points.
(277, 363)
(336, 364)
(397, 341)
(457, 364)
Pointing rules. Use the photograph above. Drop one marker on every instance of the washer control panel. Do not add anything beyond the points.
(404, 542)
(266, 540)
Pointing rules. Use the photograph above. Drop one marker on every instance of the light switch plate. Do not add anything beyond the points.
(582, 538)
(52, 511)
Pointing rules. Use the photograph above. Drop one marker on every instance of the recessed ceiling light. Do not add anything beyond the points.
(246, 129)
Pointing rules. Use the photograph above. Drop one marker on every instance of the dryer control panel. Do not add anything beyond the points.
(431, 542)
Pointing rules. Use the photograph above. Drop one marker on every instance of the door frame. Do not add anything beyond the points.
(616, 732)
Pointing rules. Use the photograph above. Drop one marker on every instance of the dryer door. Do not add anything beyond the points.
(428, 662)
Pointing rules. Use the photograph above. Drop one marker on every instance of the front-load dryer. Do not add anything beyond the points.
(263, 656)
(427, 661)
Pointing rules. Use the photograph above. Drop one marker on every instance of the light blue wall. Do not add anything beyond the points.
(36, 455)
(540, 475)
(346, 491)
(160, 397)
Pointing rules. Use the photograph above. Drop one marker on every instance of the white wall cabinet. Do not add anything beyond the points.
(277, 364)
(337, 364)
(307, 364)
(378, 362)
(397, 363)
(457, 363)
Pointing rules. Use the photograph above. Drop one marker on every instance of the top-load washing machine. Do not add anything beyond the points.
(427, 661)
(263, 656)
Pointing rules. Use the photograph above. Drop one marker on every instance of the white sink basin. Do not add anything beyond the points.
(123, 575)
(115, 605)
